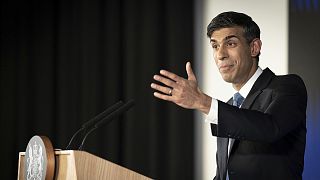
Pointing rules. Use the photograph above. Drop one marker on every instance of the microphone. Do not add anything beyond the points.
(108, 119)
(94, 120)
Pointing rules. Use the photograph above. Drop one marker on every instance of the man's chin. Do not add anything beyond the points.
(227, 78)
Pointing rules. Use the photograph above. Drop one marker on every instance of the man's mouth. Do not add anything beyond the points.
(225, 67)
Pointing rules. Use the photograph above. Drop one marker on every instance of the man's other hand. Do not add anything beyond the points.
(181, 91)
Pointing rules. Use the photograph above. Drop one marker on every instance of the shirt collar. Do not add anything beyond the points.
(244, 91)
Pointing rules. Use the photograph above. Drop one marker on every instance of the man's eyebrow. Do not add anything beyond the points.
(225, 39)
(231, 36)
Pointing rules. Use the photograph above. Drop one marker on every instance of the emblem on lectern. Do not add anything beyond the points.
(39, 159)
(34, 162)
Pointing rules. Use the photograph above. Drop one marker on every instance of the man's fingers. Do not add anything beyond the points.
(162, 89)
(165, 81)
(190, 73)
(171, 75)
(162, 96)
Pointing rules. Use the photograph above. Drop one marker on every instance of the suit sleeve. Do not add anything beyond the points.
(285, 111)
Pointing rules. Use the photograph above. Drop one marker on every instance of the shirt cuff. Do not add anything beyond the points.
(212, 116)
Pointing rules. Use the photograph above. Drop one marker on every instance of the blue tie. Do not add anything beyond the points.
(237, 101)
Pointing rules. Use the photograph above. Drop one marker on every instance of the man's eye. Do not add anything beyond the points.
(214, 46)
(231, 44)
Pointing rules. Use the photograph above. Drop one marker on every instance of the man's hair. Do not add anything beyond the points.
(235, 19)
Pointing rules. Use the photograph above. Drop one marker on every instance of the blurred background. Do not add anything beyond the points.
(63, 62)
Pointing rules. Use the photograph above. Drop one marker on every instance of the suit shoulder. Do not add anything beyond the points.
(292, 79)
(291, 83)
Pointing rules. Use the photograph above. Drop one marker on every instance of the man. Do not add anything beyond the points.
(261, 131)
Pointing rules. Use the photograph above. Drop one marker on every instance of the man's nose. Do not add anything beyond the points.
(221, 53)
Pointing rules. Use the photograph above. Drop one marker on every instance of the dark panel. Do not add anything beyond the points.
(304, 46)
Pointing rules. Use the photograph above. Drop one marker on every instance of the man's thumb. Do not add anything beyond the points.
(190, 73)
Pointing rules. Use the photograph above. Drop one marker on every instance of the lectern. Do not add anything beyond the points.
(77, 165)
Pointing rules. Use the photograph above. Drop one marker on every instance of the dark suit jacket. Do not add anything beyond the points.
(269, 131)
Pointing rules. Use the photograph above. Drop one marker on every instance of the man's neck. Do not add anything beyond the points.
(245, 89)
(238, 86)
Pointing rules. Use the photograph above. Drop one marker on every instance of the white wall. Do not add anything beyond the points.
(272, 18)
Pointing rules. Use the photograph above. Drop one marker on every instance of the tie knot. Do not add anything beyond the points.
(237, 99)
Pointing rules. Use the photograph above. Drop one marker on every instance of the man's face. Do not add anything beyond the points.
(233, 55)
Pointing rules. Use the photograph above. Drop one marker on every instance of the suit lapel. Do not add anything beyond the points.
(260, 84)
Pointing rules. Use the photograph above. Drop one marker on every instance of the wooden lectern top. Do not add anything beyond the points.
(79, 165)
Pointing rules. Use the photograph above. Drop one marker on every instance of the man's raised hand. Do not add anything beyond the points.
(181, 91)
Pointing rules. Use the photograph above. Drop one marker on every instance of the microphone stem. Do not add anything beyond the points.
(74, 135)
(85, 137)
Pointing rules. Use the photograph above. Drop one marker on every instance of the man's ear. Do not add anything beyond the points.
(255, 46)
